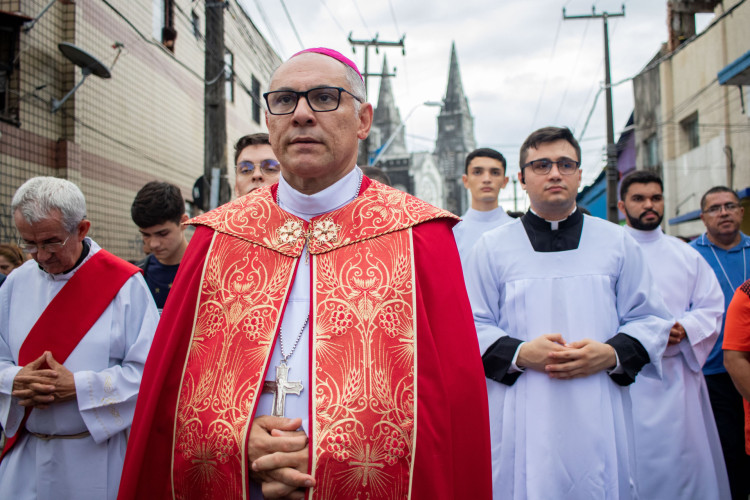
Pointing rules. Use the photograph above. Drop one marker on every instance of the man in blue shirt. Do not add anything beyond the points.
(725, 248)
(159, 211)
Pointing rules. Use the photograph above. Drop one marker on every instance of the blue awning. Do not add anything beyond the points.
(737, 72)
(696, 214)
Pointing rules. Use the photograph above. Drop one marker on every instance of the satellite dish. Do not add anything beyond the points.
(89, 65)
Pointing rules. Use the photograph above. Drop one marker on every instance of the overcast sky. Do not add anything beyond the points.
(522, 66)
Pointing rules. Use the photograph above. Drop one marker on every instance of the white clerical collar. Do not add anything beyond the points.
(331, 198)
(483, 216)
(554, 224)
(642, 236)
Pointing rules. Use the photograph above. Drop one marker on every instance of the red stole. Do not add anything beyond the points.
(363, 349)
(63, 323)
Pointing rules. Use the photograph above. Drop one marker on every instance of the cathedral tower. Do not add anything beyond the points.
(455, 138)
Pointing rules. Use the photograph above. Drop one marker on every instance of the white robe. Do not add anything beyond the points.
(564, 439)
(293, 322)
(473, 225)
(107, 366)
(678, 452)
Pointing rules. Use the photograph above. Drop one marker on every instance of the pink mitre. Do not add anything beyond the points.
(334, 54)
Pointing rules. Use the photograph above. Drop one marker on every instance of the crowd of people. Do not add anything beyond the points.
(324, 335)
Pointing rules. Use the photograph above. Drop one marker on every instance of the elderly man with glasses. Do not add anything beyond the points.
(76, 325)
(567, 314)
(724, 247)
(322, 344)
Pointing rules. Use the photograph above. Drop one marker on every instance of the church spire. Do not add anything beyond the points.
(455, 137)
(386, 116)
(455, 101)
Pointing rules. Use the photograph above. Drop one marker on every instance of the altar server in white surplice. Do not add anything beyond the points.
(678, 453)
(484, 178)
(567, 314)
(76, 325)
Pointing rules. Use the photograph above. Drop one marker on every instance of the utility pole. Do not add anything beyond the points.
(612, 173)
(215, 108)
(364, 149)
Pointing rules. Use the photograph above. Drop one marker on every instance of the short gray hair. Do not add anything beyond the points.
(357, 86)
(38, 197)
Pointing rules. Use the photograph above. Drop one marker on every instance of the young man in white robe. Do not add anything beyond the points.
(484, 178)
(567, 314)
(678, 452)
(71, 445)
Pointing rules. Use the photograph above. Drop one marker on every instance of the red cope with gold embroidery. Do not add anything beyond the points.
(363, 349)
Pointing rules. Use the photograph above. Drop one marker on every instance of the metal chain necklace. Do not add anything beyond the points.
(744, 267)
(285, 357)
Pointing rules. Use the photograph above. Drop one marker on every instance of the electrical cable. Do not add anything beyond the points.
(573, 72)
(546, 74)
(291, 23)
(330, 13)
(393, 15)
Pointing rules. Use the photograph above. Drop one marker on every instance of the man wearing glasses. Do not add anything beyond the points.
(76, 325)
(255, 164)
(567, 314)
(724, 247)
(322, 343)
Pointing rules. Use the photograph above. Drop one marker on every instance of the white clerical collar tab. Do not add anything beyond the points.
(554, 224)
(331, 198)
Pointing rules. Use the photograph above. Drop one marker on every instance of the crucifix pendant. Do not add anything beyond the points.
(281, 388)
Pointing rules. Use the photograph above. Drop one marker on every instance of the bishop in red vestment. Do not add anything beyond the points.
(394, 387)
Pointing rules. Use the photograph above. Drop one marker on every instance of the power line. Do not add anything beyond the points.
(546, 74)
(572, 73)
(330, 13)
(393, 15)
(361, 17)
(270, 29)
(291, 23)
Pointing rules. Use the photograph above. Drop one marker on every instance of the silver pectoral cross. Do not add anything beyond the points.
(281, 388)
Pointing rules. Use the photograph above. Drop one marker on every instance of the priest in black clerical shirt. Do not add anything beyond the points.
(567, 316)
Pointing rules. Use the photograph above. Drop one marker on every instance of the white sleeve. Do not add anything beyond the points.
(702, 322)
(107, 398)
(485, 295)
(640, 307)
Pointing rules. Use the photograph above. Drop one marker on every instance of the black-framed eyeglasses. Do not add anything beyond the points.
(267, 167)
(320, 99)
(716, 209)
(566, 166)
(47, 247)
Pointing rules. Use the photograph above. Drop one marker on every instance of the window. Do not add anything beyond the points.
(651, 152)
(195, 22)
(10, 25)
(690, 131)
(256, 99)
(162, 24)
(229, 76)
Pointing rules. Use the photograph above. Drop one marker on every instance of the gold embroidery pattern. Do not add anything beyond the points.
(379, 210)
(250, 219)
(242, 292)
(364, 374)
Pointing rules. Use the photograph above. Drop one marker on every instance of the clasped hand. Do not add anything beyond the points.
(278, 453)
(43, 382)
(561, 360)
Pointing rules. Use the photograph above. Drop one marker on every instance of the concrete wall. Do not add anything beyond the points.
(688, 85)
(144, 123)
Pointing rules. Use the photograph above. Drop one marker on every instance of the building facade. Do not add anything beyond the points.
(144, 123)
(689, 126)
